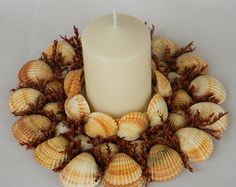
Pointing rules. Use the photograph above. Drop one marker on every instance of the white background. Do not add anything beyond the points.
(28, 26)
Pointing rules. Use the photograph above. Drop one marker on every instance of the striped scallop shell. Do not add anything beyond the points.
(76, 107)
(100, 124)
(66, 50)
(132, 125)
(60, 129)
(208, 110)
(51, 154)
(29, 130)
(164, 163)
(54, 87)
(181, 100)
(85, 143)
(195, 143)
(108, 147)
(177, 120)
(74, 82)
(82, 171)
(188, 61)
(157, 110)
(209, 87)
(163, 86)
(123, 171)
(24, 100)
(54, 108)
(160, 44)
(34, 72)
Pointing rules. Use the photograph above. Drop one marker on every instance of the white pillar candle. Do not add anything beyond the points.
(117, 64)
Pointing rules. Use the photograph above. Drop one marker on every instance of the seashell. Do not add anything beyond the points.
(208, 88)
(217, 119)
(85, 142)
(177, 120)
(138, 146)
(34, 72)
(163, 86)
(82, 171)
(157, 110)
(173, 76)
(195, 143)
(190, 61)
(181, 100)
(76, 107)
(132, 125)
(100, 124)
(24, 101)
(74, 82)
(30, 130)
(53, 108)
(105, 147)
(123, 171)
(60, 129)
(65, 49)
(164, 163)
(54, 88)
(160, 44)
(51, 154)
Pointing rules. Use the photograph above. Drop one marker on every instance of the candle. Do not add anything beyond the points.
(117, 64)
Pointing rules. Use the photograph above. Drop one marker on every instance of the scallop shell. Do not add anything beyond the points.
(60, 129)
(76, 107)
(163, 86)
(132, 125)
(160, 44)
(164, 163)
(51, 153)
(34, 72)
(157, 110)
(53, 108)
(24, 100)
(74, 82)
(29, 130)
(177, 120)
(55, 88)
(82, 171)
(188, 61)
(85, 142)
(181, 100)
(104, 147)
(195, 143)
(211, 111)
(100, 124)
(66, 50)
(123, 171)
(208, 87)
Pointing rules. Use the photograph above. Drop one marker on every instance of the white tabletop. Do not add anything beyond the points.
(27, 27)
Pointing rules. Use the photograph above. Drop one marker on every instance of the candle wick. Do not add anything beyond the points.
(114, 20)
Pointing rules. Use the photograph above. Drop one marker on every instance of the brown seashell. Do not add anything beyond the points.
(123, 171)
(51, 154)
(181, 100)
(32, 130)
(108, 147)
(77, 108)
(164, 163)
(132, 125)
(34, 72)
(207, 88)
(163, 86)
(24, 101)
(138, 146)
(195, 143)
(173, 76)
(53, 108)
(54, 90)
(177, 120)
(74, 82)
(100, 124)
(82, 171)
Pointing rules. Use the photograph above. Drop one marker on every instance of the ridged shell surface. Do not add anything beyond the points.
(177, 120)
(163, 86)
(181, 100)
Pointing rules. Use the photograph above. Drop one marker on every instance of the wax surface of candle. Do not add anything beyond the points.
(117, 64)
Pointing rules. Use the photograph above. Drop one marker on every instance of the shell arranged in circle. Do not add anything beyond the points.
(177, 120)
(163, 86)
(51, 154)
(54, 87)
(164, 163)
(31, 130)
(157, 110)
(34, 72)
(123, 171)
(100, 124)
(132, 125)
(104, 148)
(54, 108)
(82, 171)
(76, 107)
(74, 82)
(208, 88)
(24, 100)
(189, 61)
(195, 143)
(181, 100)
